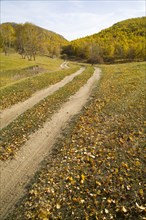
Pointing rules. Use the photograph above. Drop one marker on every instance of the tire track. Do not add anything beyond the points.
(15, 174)
(8, 115)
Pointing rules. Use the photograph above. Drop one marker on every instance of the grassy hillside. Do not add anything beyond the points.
(124, 41)
(97, 170)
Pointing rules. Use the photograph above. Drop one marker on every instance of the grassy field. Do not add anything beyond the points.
(16, 134)
(98, 170)
(14, 61)
(13, 67)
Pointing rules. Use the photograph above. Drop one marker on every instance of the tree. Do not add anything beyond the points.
(20, 41)
(95, 55)
(29, 40)
(56, 51)
(64, 57)
(8, 37)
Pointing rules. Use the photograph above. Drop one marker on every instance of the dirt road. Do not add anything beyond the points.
(8, 115)
(15, 174)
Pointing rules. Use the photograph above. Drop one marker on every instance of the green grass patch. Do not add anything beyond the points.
(13, 67)
(16, 134)
(23, 89)
(14, 61)
(97, 172)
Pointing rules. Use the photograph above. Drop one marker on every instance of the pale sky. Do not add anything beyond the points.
(71, 18)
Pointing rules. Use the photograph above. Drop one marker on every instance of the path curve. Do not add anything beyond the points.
(8, 115)
(64, 65)
(16, 173)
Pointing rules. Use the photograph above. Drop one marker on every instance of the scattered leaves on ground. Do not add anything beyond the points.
(17, 132)
(24, 88)
(98, 170)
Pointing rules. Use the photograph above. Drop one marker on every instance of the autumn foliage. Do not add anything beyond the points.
(30, 40)
(97, 170)
(123, 42)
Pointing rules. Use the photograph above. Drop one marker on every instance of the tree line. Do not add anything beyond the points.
(124, 41)
(28, 40)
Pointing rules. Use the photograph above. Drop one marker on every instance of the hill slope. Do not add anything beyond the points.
(124, 40)
(30, 39)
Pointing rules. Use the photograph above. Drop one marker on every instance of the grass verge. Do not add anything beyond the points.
(16, 134)
(98, 170)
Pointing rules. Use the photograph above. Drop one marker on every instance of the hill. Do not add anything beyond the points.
(29, 40)
(124, 41)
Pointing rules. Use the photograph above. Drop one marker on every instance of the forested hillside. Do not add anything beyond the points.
(124, 41)
(29, 40)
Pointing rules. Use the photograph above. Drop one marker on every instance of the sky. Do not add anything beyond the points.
(71, 18)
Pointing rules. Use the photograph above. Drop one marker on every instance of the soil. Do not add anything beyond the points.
(16, 173)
